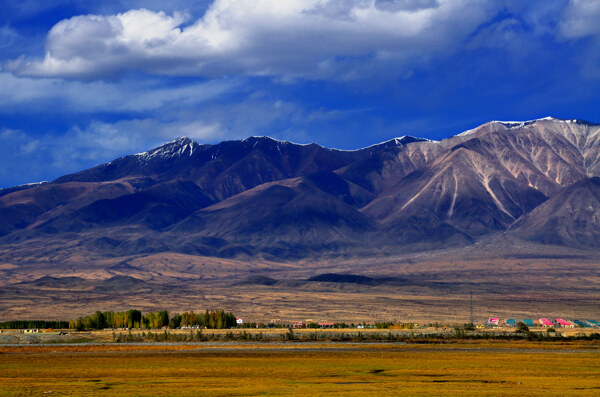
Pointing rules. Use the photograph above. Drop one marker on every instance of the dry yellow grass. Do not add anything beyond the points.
(483, 369)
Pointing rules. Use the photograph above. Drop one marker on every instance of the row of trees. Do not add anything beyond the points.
(29, 324)
(126, 319)
(218, 319)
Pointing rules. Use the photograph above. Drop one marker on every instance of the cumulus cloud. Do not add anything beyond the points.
(581, 18)
(292, 38)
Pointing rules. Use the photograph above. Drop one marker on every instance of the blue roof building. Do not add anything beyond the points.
(528, 322)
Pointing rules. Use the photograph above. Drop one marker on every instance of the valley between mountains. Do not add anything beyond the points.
(508, 210)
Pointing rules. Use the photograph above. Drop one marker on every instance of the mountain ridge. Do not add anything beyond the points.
(261, 197)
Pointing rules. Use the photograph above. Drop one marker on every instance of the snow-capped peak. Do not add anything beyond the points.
(521, 124)
(404, 139)
(179, 147)
(24, 186)
(34, 184)
(268, 138)
(399, 141)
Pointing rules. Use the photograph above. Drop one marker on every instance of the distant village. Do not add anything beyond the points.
(543, 322)
(212, 320)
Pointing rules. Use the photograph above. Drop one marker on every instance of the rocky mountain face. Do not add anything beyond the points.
(536, 180)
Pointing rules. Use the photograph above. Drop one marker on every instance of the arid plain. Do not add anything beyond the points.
(420, 287)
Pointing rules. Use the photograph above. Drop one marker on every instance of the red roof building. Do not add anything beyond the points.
(564, 323)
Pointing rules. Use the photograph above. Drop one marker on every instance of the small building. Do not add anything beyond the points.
(239, 321)
(299, 324)
(511, 322)
(564, 323)
(326, 325)
(493, 322)
(528, 322)
(546, 322)
(581, 324)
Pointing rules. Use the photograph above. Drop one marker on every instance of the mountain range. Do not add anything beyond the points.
(536, 181)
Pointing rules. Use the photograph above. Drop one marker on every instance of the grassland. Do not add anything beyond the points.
(483, 368)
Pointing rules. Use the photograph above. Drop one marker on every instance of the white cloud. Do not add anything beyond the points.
(7, 133)
(91, 143)
(581, 18)
(257, 37)
(7, 36)
(29, 147)
(101, 141)
(24, 94)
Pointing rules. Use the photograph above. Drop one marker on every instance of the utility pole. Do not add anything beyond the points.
(471, 296)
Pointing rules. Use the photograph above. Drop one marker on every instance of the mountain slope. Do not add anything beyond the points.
(157, 207)
(571, 218)
(292, 215)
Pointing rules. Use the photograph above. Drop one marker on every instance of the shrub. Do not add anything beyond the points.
(522, 327)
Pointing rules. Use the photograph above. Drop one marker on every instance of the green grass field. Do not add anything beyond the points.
(341, 369)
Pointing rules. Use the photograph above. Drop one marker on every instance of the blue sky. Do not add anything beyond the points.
(85, 82)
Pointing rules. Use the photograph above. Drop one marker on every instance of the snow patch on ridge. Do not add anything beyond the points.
(275, 140)
(520, 124)
(179, 147)
(401, 141)
(32, 184)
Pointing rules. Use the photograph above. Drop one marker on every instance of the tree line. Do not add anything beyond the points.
(216, 319)
(31, 324)
(127, 319)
